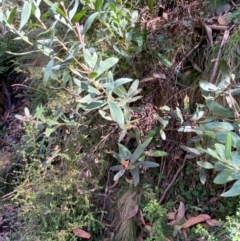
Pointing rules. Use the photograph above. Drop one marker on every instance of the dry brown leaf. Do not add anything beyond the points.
(181, 212)
(81, 233)
(195, 220)
(159, 76)
(165, 16)
(109, 225)
(148, 227)
(213, 222)
(140, 218)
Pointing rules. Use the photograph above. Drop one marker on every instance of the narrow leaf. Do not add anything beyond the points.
(139, 150)
(218, 109)
(234, 190)
(48, 71)
(116, 112)
(89, 22)
(135, 175)
(155, 153)
(104, 115)
(228, 147)
(106, 65)
(26, 13)
(124, 153)
(206, 165)
(98, 4)
(119, 175)
(74, 9)
(147, 164)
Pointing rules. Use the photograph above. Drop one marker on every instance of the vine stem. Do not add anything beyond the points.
(173, 180)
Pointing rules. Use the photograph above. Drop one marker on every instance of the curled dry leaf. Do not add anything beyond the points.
(213, 223)
(181, 212)
(194, 220)
(81, 233)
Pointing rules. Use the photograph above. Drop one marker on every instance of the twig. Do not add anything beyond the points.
(105, 196)
(8, 97)
(173, 180)
(80, 36)
(224, 40)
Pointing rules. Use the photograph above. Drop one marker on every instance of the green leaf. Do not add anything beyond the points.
(89, 22)
(220, 126)
(122, 135)
(203, 176)
(119, 175)
(147, 164)
(77, 17)
(116, 112)
(98, 4)
(164, 122)
(155, 153)
(179, 114)
(135, 175)
(228, 147)
(49, 131)
(116, 168)
(51, 122)
(221, 136)
(120, 91)
(226, 75)
(139, 150)
(213, 153)
(151, 5)
(206, 165)
(12, 15)
(234, 190)
(104, 115)
(191, 150)
(91, 59)
(106, 65)
(94, 105)
(74, 9)
(61, 18)
(116, 83)
(26, 13)
(207, 86)
(85, 86)
(48, 71)
(133, 88)
(162, 134)
(223, 177)
(218, 109)
(238, 146)
(124, 153)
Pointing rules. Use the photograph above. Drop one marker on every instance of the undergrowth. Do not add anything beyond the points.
(83, 122)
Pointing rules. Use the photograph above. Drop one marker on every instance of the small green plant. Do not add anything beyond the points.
(233, 227)
(156, 215)
(133, 161)
(203, 233)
